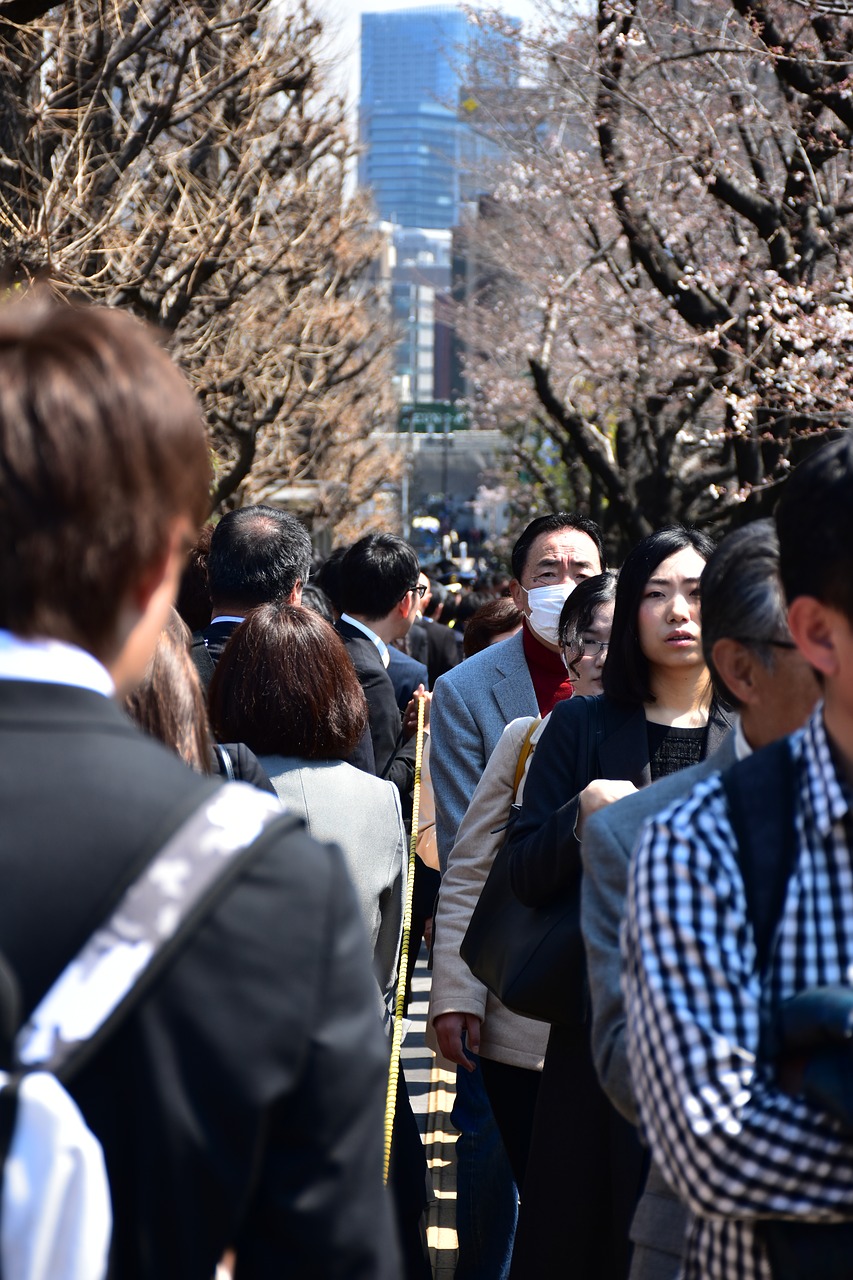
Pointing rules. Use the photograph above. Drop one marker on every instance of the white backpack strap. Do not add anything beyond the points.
(152, 919)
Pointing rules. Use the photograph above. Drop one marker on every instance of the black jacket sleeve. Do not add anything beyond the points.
(245, 765)
(320, 1208)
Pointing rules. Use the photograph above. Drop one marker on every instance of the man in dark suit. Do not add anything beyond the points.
(257, 555)
(240, 1104)
(379, 596)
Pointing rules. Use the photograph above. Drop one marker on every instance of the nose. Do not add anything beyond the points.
(679, 607)
(600, 657)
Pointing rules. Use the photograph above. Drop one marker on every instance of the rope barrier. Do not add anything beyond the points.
(402, 976)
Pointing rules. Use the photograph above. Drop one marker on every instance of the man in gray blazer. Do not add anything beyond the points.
(472, 705)
(755, 668)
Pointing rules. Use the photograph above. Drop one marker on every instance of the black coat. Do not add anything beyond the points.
(241, 1103)
(394, 759)
(207, 647)
(586, 1167)
(545, 858)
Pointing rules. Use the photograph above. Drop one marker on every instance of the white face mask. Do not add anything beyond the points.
(546, 605)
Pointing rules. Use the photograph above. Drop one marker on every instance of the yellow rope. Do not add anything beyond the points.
(397, 1040)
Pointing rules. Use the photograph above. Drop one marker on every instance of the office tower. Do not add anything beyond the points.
(416, 65)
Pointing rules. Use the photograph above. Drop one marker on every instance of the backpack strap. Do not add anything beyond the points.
(153, 919)
(760, 792)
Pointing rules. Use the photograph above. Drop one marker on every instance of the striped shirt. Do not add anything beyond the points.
(730, 1142)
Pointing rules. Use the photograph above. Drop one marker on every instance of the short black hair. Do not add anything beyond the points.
(375, 574)
(814, 520)
(742, 598)
(625, 676)
(552, 524)
(257, 556)
(578, 613)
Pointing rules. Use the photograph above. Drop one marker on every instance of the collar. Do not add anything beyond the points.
(829, 792)
(371, 635)
(47, 661)
(226, 617)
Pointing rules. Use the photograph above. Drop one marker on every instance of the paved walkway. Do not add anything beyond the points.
(431, 1089)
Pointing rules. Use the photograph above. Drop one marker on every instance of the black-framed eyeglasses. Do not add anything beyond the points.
(772, 644)
(421, 588)
(591, 648)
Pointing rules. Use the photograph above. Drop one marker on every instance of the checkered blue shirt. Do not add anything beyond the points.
(729, 1141)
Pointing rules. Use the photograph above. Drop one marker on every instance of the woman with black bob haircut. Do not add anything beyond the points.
(656, 715)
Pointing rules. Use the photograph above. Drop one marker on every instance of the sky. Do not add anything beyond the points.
(343, 24)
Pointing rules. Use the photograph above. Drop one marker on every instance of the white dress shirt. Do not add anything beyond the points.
(52, 662)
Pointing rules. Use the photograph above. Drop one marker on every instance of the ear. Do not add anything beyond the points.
(295, 596)
(519, 595)
(814, 626)
(154, 574)
(735, 664)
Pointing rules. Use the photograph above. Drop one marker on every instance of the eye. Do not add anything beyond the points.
(652, 594)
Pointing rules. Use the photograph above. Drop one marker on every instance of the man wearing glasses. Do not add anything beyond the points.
(759, 672)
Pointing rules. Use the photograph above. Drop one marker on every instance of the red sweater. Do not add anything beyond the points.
(550, 678)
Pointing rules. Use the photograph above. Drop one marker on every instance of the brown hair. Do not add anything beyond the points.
(169, 703)
(101, 446)
(491, 620)
(285, 685)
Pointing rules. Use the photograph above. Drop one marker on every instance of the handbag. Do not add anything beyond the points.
(531, 958)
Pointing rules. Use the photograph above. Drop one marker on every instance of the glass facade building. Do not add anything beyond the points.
(413, 65)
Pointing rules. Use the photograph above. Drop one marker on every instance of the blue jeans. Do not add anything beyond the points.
(486, 1196)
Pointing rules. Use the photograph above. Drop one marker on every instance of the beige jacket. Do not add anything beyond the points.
(505, 1037)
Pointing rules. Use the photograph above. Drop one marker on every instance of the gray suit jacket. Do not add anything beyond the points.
(471, 706)
(608, 841)
(660, 1222)
(361, 814)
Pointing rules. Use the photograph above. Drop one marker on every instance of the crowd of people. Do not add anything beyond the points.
(665, 749)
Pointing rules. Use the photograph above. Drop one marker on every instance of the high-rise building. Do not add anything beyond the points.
(416, 66)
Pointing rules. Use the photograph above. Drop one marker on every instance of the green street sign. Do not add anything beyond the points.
(433, 418)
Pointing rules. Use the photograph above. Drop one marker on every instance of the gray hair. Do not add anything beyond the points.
(742, 598)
